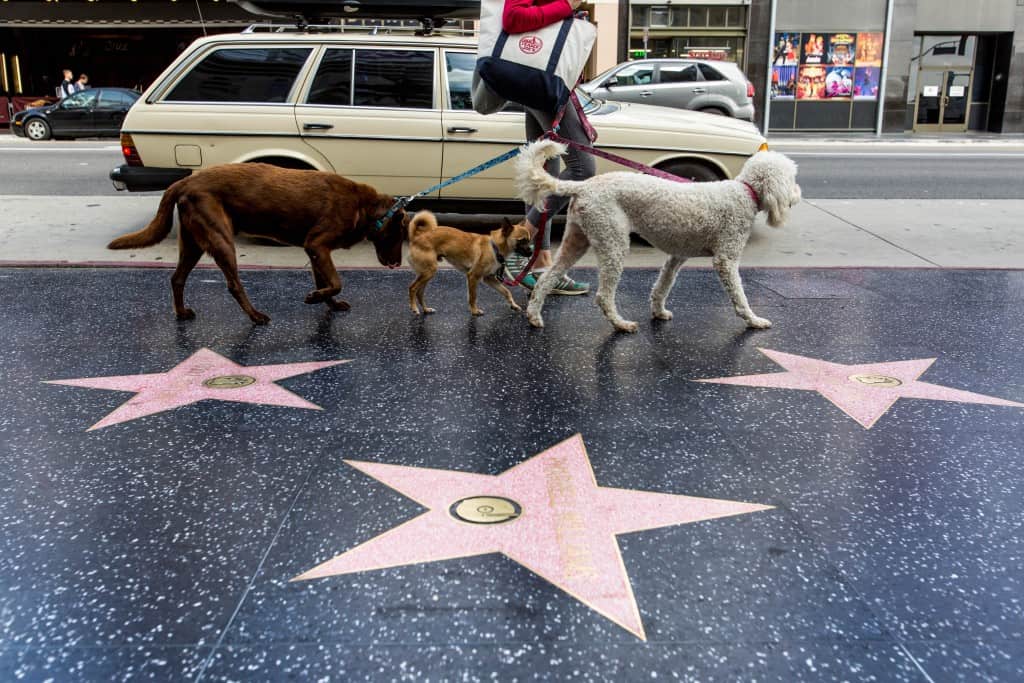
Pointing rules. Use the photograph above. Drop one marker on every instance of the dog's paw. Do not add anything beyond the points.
(259, 318)
(627, 326)
(515, 306)
(187, 314)
(476, 311)
(663, 314)
(428, 311)
(756, 323)
(339, 305)
(535, 320)
(314, 297)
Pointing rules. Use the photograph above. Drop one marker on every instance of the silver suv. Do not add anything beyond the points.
(708, 86)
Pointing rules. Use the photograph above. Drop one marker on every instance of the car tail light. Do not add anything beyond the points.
(750, 89)
(131, 155)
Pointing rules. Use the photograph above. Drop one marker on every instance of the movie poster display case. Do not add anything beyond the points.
(825, 80)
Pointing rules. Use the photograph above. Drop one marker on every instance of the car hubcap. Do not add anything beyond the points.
(35, 130)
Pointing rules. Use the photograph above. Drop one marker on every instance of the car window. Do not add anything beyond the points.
(678, 73)
(460, 67)
(394, 78)
(242, 75)
(710, 74)
(637, 74)
(80, 100)
(333, 82)
(115, 99)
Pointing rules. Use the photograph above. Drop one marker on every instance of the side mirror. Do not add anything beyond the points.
(614, 80)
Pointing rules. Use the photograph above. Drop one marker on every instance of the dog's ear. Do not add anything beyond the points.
(506, 227)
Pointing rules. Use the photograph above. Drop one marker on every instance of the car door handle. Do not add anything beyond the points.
(646, 93)
(317, 126)
(461, 129)
(700, 90)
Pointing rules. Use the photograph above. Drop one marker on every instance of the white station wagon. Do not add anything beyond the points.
(392, 111)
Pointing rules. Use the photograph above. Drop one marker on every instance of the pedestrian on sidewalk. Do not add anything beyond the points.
(67, 86)
(520, 16)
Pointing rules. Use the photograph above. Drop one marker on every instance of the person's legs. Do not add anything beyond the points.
(578, 166)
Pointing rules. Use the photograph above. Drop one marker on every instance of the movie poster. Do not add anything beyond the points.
(784, 82)
(839, 82)
(787, 49)
(811, 83)
(840, 48)
(812, 50)
(865, 83)
(869, 49)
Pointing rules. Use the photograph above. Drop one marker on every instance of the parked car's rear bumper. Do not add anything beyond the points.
(18, 128)
(145, 178)
(745, 113)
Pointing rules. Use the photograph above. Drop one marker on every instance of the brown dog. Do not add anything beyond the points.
(312, 209)
(480, 257)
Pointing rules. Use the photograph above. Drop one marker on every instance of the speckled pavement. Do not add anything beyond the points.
(164, 546)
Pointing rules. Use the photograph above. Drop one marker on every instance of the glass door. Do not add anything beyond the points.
(943, 100)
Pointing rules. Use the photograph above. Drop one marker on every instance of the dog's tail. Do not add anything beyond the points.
(421, 222)
(533, 183)
(158, 228)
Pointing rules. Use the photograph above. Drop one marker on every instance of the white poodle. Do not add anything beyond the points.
(681, 219)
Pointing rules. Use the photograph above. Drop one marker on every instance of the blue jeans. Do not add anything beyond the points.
(578, 165)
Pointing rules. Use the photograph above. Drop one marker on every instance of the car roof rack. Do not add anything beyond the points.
(421, 27)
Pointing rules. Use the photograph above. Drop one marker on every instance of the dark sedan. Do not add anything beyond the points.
(90, 113)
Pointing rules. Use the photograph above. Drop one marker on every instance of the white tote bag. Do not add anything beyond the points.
(537, 69)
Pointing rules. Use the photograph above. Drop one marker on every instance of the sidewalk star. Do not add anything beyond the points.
(547, 513)
(864, 392)
(203, 375)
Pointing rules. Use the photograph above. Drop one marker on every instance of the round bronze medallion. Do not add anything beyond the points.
(229, 382)
(485, 510)
(883, 381)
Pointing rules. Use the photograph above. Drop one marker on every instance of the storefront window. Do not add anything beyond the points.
(680, 16)
(717, 16)
(639, 16)
(737, 17)
(698, 16)
(659, 16)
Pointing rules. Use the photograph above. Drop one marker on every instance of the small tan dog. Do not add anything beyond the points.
(480, 257)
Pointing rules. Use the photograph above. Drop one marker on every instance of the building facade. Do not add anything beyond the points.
(936, 66)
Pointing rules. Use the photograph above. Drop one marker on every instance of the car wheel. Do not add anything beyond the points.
(693, 170)
(37, 129)
(715, 111)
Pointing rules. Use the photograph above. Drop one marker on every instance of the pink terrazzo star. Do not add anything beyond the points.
(546, 513)
(203, 375)
(864, 392)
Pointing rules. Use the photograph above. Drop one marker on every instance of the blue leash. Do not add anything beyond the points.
(402, 202)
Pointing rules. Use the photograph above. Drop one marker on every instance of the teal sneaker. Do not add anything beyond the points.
(567, 286)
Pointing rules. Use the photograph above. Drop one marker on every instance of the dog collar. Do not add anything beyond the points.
(498, 257)
(400, 203)
(753, 194)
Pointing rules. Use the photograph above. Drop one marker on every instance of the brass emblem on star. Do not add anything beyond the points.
(229, 382)
(883, 381)
(485, 510)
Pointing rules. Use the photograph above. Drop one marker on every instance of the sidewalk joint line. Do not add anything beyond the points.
(875, 235)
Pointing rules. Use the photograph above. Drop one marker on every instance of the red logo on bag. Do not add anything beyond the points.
(531, 45)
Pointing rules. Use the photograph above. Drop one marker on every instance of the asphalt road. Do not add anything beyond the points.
(877, 172)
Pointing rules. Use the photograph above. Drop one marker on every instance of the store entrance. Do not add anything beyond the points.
(943, 100)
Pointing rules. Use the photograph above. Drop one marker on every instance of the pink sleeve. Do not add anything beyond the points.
(521, 16)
